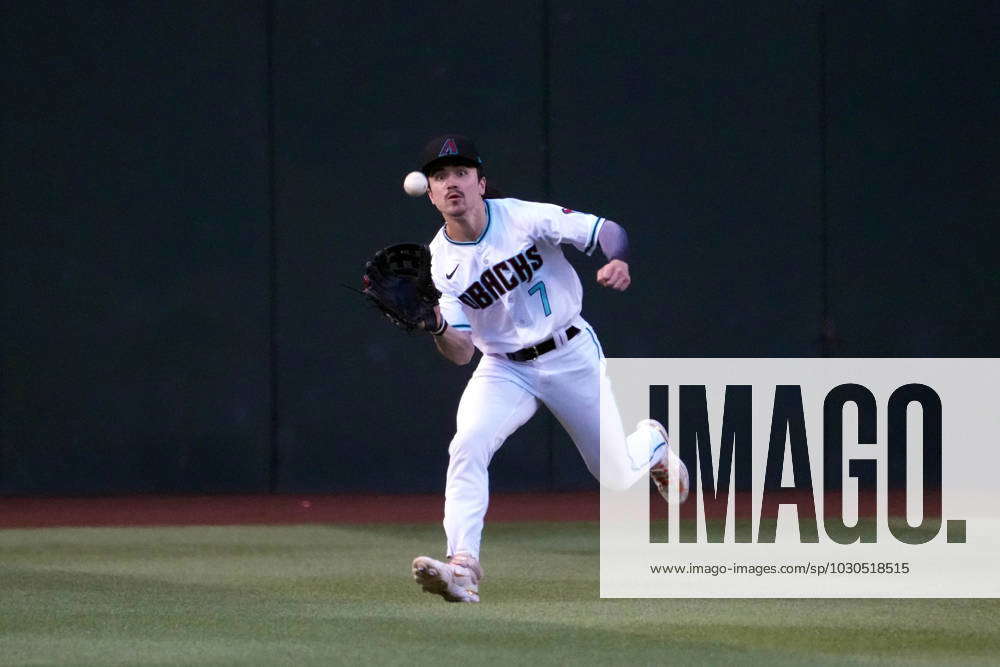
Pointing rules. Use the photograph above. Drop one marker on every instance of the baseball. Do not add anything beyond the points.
(415, 184)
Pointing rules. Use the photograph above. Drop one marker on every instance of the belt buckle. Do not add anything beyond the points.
(532, 352)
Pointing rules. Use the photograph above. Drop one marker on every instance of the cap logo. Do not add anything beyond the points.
(448, 148)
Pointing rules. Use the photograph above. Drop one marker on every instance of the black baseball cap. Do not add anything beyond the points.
(449, 149)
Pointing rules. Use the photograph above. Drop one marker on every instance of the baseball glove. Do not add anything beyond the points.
(398, 281)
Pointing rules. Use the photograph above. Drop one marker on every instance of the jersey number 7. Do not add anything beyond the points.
(540, 288)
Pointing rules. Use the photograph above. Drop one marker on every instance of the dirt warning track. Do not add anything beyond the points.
(151, 510)
(276, 509)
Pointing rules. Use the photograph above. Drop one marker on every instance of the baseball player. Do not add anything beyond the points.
(508, 290)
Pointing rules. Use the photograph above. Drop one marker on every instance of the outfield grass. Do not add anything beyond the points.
(343, 595)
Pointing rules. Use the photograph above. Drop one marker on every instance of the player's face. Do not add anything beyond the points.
(456, 189)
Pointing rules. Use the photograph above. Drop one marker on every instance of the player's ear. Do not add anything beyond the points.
(482, 186)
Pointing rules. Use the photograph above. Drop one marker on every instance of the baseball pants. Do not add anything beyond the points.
(502, 395)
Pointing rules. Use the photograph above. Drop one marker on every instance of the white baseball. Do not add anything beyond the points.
(415, 184)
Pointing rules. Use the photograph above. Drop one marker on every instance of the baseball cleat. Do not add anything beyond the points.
(661, 470)
(455, 581)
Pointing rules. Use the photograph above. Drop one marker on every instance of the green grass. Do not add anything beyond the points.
(343, 595)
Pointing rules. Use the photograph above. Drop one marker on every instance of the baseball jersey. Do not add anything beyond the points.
(512, 287)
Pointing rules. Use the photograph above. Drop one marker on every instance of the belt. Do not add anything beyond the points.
(535, 351)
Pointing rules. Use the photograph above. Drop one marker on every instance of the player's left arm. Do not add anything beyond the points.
(614, 244)
(585, 232)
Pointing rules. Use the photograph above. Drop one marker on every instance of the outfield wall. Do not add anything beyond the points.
(186, 185)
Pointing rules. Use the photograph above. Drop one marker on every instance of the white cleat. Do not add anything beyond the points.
(455, 581)
(661, 470)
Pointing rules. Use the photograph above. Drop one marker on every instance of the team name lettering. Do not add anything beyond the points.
(479, 296)
(536, 259)
(494, 283)
(508, 283)
(521, 267)
(491, 284)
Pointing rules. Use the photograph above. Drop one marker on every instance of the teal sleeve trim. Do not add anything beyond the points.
(592, 243)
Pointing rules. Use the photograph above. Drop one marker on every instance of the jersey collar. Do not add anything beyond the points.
(489, 219)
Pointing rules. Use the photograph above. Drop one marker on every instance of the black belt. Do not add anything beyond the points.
(535, 351)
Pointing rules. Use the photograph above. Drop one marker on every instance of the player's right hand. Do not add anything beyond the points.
(437, 319)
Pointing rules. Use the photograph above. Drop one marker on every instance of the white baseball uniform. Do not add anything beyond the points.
(511, 289)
